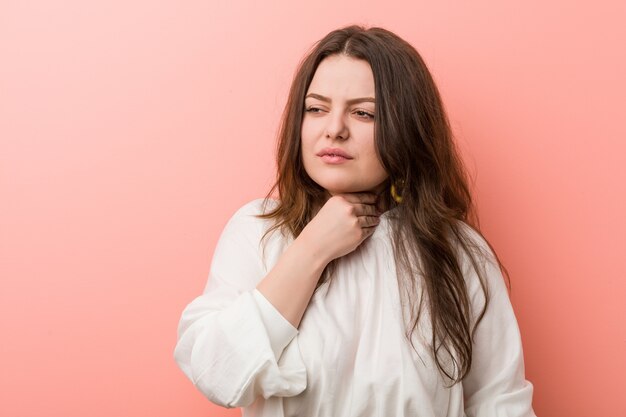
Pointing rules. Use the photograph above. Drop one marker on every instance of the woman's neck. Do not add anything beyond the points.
(381, 203)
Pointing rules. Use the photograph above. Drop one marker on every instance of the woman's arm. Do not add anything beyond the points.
(232, 344)
(290, 284)
(237, 342)
(496, 384)
(340, 226)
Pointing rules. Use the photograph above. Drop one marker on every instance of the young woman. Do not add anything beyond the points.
(365, 288)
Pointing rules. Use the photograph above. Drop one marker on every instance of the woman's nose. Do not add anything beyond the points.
(337, 127)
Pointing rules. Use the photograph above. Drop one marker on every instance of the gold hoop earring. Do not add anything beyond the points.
(394, 194)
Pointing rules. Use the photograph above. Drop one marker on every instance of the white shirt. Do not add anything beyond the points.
(349, 356)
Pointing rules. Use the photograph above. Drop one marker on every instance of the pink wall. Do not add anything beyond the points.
(130, 132)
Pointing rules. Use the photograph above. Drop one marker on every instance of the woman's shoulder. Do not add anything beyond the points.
(470, 239)
(248, 229)
(245, 219)
(253, 208)
(478, 261)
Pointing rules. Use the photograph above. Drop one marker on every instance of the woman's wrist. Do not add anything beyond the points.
(312, 251)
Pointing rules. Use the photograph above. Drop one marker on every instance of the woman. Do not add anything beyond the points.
(365, 289)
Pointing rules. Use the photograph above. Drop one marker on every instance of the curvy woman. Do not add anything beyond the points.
(361, 284)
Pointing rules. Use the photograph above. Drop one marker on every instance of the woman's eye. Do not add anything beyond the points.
(360, 113)
(364, 114)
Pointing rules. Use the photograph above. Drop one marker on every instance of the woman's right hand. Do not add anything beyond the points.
(342, 224)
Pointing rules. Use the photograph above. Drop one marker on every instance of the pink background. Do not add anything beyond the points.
(131, 131)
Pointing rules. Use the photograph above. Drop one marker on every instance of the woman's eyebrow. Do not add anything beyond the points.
(351, 101)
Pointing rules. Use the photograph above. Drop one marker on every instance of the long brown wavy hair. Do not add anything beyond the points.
(415, 146)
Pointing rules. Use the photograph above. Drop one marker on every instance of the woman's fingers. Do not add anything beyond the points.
(363, 204)
(343, 222)
(368, 221)
(366, 210)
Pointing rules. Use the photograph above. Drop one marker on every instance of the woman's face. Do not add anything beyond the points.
(339, 119)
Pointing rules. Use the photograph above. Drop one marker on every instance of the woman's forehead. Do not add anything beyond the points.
(343, 76)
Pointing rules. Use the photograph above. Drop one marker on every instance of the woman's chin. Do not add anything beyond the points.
(339, 187)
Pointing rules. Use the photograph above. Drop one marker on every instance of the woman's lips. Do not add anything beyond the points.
(333, 159)
(333, 152)
(334, 156)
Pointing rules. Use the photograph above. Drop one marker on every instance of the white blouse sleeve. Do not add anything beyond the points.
(232, 343)
(496, 385)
